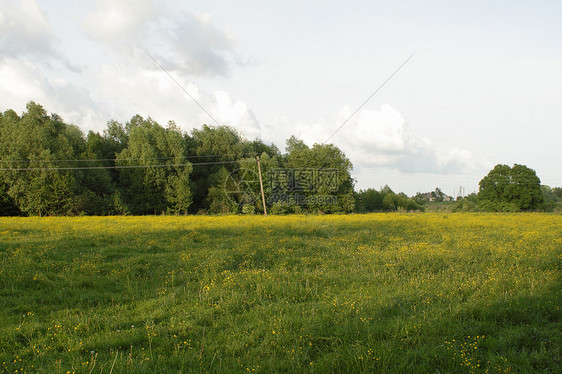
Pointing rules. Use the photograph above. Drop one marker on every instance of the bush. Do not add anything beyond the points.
(465, 205)
(279, 208)
(248, 209)
(498, 206)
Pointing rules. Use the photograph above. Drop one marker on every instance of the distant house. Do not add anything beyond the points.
(436, 195)
(425, 196)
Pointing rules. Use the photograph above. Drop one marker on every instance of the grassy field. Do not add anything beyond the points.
(404, 293)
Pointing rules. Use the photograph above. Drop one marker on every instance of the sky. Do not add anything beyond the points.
(483, 86)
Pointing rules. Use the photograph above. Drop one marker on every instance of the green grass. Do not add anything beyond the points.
(439, 206)
(403, 293)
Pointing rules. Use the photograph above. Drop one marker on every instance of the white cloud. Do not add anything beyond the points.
(382, 138)
(197, 46)
(24, 82)
(26, 32)
(183, 42)
(376, 138)
(124, 20)
(20, 82)
(236, 114)
(119, 93)
(127, 91)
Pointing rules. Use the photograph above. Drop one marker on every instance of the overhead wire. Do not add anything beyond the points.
(132, 159)
(181, 86)
(369, 98)
(121, 166)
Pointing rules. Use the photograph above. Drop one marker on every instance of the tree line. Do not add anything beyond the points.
(511, 189)
(503, 189)
(49, 167)
(385, 200)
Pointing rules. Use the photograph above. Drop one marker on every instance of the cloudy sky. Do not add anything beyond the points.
(484, 85)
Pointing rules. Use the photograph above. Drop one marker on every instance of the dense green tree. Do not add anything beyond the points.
(117, 135)
(551, 194)
(388, 198)
(468, 203)
(297, 150)
(321, 175)
(217, 148)
(510, 189)
(222, 193)
(8, 206)
(258, 147)
(102, 151)
(48, 163)
(34, 149)
(154, 174)
(225, 155)
(389, 202)
(524, 189)
(369, 200)
(557, 192)
(552, 198)
(50, 167)
(397, 201)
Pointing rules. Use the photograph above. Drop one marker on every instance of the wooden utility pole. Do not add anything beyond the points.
(261, 187)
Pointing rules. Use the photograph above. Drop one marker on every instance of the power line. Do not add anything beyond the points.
(369, 98)
(123, 166)
(133, 159)
(182, 87)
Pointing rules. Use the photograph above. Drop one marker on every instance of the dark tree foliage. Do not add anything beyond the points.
(552, 194)
(211, 146)
(552, 198)
(35, 149)
(372, 200)
(49, 167)
(369, 200)
(510, 189)
(469, 203)
(318, 176)
(222, 152)
(8, 206)
(154, 177)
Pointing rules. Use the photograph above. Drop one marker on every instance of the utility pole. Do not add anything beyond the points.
(261, 187)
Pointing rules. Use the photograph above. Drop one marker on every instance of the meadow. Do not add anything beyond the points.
(396, 293)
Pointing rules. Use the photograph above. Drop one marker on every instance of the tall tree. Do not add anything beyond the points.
(32, 147)
(223, 151)
(319, 176)
(212, 145)
(510, 189)
(7, 204)
(369, 200)
(155, 172)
